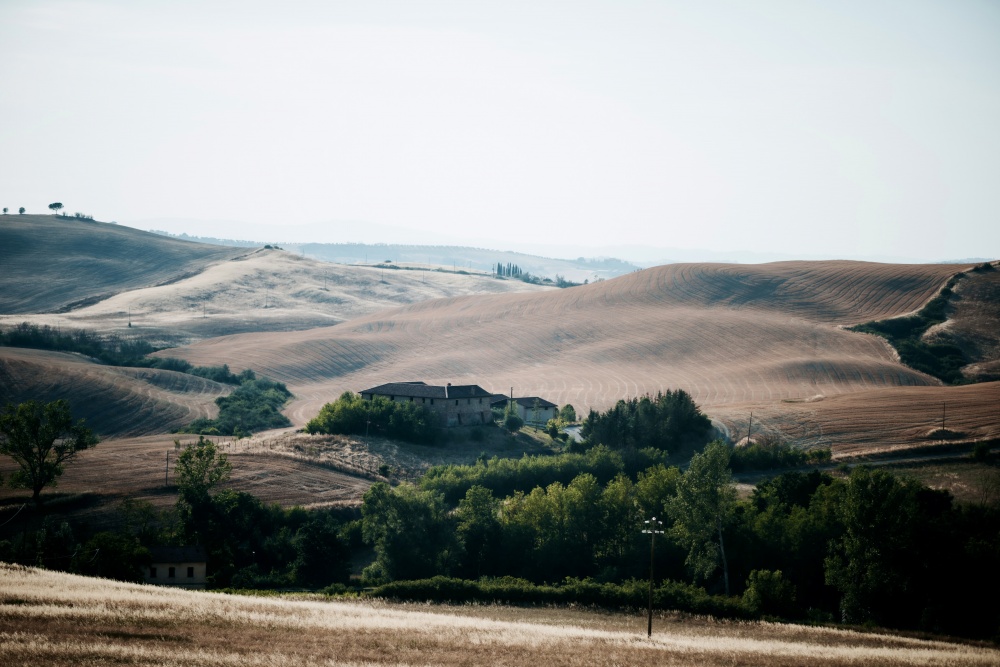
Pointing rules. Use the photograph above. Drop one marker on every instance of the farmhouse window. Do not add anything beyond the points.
(392, 398)
(456, 401)
(190, 572)
(152, 573)
(432, 401)
(171, 572)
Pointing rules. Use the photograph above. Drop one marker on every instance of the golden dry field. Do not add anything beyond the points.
(767, 338)
(254, 289)
(52, 618)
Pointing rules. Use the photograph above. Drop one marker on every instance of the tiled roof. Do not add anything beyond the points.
(178, 554)
(526, 401)
(529, 402)
(421, 390)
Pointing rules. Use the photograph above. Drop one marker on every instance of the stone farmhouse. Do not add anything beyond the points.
(532, 410)
(184, 567)
(458, 405)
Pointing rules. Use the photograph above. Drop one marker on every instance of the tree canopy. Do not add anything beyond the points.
(41, 438)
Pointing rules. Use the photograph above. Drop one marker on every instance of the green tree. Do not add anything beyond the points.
(41, 439)
(567, 413)
(5, 210)
(870, 562)
(478, 530)
(21, 210)
(201, 467)
(55, 207)
(702, 509)
(322, 557)
(410, 531)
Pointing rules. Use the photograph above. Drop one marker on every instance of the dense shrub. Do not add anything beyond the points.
(254, 406)
(111, 349)
(942, 360)
(352, 415)
(510, 590)
(504, 477)
(669, 421)
(770, 455)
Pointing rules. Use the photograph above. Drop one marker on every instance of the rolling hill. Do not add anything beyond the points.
(115, 401)
(235, 290)
(733, 336)
(57, 263)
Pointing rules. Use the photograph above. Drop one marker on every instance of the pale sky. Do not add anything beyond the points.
(849, 129)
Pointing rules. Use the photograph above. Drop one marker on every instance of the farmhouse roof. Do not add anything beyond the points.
(421, 390)
(526, 401)
(529, 402)
(178, 554)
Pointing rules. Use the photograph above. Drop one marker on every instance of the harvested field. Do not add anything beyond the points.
(266, 290)
(115, 401)
(51, 618)
(875, 421)
(137, 468)
(55, 264)
(731, 335)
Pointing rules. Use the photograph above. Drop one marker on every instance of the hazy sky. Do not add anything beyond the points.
(807, 128)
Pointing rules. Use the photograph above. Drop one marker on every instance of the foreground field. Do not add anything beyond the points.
(50, 618)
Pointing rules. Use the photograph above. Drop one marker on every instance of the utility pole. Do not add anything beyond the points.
(653, 529)
(749, 428)
(166, 471)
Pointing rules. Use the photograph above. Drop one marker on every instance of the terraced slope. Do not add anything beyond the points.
(728, 334)
(53, 264)
(115, 401)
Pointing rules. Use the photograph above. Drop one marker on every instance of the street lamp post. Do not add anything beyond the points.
(653, 528)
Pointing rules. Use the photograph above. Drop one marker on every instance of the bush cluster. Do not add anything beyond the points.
(771, 455)
(352, 415)
(942, 360)
(629, 594)
(670, 421)
(254, 406)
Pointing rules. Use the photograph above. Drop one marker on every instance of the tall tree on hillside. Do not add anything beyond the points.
(21, 210)
(55, 207)
(41, 438)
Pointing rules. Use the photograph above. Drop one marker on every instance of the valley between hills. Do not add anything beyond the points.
(768, 340)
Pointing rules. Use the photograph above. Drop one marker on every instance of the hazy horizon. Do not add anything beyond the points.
(773, 129)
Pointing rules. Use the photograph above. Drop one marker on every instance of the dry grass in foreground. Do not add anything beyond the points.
(50, 618)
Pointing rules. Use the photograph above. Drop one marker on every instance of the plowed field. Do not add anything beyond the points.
(731, 335)
(115, 401)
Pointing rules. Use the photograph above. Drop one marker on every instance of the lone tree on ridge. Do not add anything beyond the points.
(55, 207)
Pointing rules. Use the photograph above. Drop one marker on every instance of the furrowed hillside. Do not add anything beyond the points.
(115, 401)
(731, 335)
(56, 264)
(246, 289)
